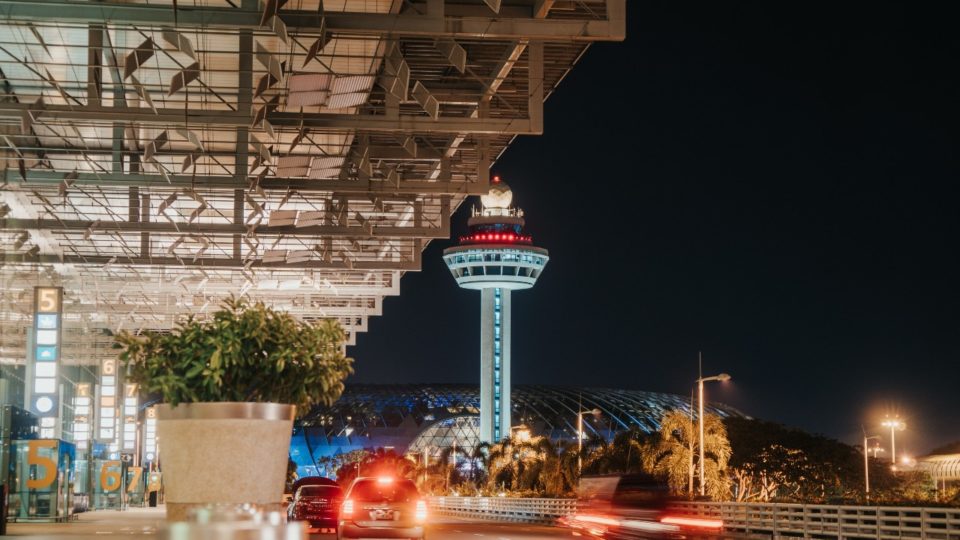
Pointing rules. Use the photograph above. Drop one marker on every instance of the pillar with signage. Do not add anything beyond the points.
(107, 432)
(150, 438)
(42, 480)
(108, 484)
(43, 392)
(131, 406)
(82, 415)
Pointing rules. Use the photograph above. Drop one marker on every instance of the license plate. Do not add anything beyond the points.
(382, 514)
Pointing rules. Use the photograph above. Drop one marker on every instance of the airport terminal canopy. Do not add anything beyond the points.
(158, 156)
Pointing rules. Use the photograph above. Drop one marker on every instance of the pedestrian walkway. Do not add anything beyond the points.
(128, 523)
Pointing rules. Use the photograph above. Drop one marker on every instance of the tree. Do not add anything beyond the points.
(669, 453)
(771, 462)
(291, 474)
(623, 455)
(506, 464)
(242, 352)
(558, 470)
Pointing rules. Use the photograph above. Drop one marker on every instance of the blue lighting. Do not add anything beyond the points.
(46, 353)
(496, 363)
(47, 321)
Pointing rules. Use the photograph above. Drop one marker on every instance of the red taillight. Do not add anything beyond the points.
(346, 509)
(421, 512)
(693, 522)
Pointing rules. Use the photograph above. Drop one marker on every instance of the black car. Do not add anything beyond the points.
(631, 507)
(383, 507)
(317, 504)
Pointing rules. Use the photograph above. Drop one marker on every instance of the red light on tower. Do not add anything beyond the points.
(495, 179)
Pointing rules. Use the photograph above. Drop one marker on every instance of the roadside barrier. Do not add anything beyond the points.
(503, 508)
(829, 521)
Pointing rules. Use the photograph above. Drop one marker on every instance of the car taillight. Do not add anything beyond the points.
(421, 512)
(347, 508)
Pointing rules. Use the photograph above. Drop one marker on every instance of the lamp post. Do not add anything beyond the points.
(895, 425)
(595, 412)
(866, 465)
(723, 377)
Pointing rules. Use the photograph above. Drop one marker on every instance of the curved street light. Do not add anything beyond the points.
(723, 377)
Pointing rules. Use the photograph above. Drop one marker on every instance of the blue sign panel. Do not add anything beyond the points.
(47, 321)
(46, 353)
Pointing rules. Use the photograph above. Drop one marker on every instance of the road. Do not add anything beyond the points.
(145, 522)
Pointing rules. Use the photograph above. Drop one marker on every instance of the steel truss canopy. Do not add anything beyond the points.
(158, 156)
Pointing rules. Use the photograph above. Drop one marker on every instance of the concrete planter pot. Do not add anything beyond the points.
(223, 453)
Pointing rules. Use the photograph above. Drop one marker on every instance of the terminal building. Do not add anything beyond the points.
(157, 157)
(412, 419)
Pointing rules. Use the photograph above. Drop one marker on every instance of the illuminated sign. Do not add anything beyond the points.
(150, 436)
(131, 403)
(107, 417)
(43, 389)
(82, 415)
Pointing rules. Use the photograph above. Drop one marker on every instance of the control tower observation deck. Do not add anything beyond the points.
(496, 258)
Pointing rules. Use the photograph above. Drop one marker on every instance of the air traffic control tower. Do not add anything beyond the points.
(496, 258)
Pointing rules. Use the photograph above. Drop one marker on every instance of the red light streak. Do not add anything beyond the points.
(693, 522)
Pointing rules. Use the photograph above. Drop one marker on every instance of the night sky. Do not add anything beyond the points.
(772, 183)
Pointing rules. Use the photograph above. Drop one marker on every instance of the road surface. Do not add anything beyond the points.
(145, 522)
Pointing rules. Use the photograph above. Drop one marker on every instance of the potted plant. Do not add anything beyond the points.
(230, 386)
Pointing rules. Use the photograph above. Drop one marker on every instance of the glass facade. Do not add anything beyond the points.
(410, 417)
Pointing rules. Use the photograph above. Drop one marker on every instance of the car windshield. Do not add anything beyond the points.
(328, 492)
(393, 491)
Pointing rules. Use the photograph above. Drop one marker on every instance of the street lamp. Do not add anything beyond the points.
(866, 464)
(594, 412)
(877, 449)
(895, 425)
(723, 377)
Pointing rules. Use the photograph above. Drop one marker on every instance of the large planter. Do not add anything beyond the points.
(223, 453)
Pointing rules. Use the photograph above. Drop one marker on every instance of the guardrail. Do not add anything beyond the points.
(829, 521)
(504, 508)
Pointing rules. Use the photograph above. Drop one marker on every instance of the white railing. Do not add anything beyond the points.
(503, 508)
(829, 521)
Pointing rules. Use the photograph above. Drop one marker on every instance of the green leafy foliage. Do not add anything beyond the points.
(244, 352)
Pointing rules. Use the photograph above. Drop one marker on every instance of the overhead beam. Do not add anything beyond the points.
(233, 120)
(377, 153)
(309, 22)
(37, 177)
(214, 263)
(158, 227)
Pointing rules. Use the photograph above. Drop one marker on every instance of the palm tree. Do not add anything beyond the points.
(669, 454)
(558, 472)
(478, 458)
(594, 454)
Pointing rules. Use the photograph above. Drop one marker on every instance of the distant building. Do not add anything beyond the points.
(409, 418)
(943, 468)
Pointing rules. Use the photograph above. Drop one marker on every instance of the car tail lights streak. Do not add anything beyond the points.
(601, 520)
(346, 509)
(693, 522)
(421, 512)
